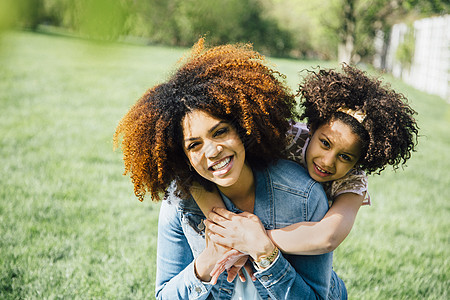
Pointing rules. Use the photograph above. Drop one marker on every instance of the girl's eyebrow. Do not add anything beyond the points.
(350, 154)
(209, 131)
(330, 141)
(326, 137)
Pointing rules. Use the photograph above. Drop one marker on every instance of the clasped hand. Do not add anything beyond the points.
(244, 234)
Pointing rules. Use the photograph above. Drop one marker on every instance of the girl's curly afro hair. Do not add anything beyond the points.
(389, 130)
(229, 82)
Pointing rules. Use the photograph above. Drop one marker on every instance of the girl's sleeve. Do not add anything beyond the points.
(175, 276)
(297, 136)
(354, 182)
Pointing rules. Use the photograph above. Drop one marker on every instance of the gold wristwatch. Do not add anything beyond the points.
(266, 260)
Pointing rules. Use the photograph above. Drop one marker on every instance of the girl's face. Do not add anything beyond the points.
(332, 151)
(213, 148)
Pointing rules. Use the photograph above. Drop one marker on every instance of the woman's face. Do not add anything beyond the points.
(213, 148)
(332, 151)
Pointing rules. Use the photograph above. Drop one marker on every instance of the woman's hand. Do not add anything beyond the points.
(233, 261)
(243, 232)
(206, 261)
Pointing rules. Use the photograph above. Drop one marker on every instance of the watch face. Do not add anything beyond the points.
(264, 262)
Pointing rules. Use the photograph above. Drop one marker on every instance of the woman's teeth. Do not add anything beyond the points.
(222, 164)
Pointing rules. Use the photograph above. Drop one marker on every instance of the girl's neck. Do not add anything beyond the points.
(242, 193)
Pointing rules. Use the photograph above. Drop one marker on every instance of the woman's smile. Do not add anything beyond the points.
(222, 166)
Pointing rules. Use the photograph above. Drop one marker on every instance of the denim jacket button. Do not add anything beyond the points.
(198, 289)
(264, 278)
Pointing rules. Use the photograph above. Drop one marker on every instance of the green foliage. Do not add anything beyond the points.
(101, 19)
(171, 22)
(71, 228)
(405, 50)
(427, 7)
(25, 13)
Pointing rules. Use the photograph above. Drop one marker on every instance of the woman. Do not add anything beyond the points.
(220, 121)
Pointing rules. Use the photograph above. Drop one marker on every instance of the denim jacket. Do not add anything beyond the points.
(285, 194)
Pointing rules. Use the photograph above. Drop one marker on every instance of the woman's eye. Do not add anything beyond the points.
(191, 146)
(220, 131)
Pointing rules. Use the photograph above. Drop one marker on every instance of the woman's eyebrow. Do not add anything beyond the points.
(209, 131)
(215, 126)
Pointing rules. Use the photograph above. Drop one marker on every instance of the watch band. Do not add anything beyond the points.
(265, 261)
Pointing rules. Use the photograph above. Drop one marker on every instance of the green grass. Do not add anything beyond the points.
(70, 226)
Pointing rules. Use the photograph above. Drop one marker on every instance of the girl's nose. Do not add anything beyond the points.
(328, 160)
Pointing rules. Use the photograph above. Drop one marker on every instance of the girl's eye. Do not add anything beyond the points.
(325, 143)
(220, 131)
(346, 157)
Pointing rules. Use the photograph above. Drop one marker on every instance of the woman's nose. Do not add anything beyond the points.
(213, 150)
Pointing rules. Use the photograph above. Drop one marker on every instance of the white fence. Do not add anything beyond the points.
(430, 67)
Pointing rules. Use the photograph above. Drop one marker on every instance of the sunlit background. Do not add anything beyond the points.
(70, 226)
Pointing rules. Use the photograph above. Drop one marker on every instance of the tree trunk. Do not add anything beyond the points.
(345, 50)
(346, 45)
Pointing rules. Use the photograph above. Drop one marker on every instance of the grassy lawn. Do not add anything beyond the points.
(70, 226)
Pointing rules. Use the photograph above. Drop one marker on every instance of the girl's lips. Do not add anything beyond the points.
(223, 169)
(320, 172)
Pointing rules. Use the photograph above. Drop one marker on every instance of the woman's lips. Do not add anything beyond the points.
(222, 166)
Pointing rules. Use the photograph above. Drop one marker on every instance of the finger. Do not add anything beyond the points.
(216, 273)
(219, 240)
(232, 273)
(241, 275)
(217, 218)
(249, 216)
(215, 229)
(223, 212)
(246, 214)
(249, 270)
(230, 256)
(218, 267)
(213, 280)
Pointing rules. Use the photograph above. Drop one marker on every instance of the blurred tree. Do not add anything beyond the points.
(182, 22)
(359, 21)
(302, 28)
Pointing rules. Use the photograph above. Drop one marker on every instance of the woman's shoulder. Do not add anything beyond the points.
(290, 175)
(176, 202)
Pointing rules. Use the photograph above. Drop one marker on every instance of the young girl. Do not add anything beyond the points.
(355, 124)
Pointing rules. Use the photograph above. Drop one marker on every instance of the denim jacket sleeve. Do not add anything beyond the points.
(175, 277)
(301, 277)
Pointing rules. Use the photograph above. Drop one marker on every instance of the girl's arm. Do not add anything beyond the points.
(311, 238)
(305, 238)
(206, 200)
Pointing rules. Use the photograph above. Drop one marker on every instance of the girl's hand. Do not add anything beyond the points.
(243, 232)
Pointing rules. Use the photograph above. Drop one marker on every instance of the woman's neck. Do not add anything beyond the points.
(242, 193)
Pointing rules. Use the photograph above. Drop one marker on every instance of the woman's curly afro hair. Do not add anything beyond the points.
(231, 83)
(389, 130)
